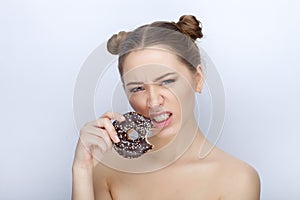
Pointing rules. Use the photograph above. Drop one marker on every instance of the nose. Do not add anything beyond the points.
(155, 97)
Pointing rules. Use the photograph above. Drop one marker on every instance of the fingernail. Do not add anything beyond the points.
(116, 138)
(122, 118)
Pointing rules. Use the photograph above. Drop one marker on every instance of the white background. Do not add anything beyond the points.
(254, 44)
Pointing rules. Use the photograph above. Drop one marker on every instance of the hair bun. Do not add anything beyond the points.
(189, 25)
(113, 44)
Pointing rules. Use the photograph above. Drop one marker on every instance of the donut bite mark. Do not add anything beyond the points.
(133, 147)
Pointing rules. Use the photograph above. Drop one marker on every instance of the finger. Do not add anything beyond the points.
(113, 115)
(92, 142)
(107, 125)
(99, 132)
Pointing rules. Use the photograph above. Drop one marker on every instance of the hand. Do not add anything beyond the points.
(95, 139)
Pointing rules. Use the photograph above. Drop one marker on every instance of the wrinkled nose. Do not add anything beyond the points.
(155, 98)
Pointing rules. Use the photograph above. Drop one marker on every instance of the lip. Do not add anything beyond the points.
(163, 123)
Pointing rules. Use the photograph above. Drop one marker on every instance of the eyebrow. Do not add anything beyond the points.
(157, 79)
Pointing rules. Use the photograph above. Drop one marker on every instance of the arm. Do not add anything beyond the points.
(82, 184)
(95, 139)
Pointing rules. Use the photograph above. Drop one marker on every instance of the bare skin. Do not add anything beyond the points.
(216, 176)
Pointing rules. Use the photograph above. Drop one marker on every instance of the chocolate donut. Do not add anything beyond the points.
(129, 147)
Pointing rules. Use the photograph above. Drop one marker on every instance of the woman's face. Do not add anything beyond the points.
(161, 87)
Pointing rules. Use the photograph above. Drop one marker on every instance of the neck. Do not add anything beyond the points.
(185, 144)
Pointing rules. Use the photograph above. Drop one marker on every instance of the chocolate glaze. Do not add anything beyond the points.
(132, 148)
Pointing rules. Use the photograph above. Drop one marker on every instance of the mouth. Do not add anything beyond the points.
(161, 120)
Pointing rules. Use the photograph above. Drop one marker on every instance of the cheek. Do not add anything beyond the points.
(185, 96)
(139, 104)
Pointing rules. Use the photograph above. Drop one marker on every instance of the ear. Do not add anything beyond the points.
(199, 79)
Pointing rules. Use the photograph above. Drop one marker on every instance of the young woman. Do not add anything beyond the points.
(160, 69)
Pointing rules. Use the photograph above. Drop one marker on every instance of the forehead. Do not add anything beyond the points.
(150, 63)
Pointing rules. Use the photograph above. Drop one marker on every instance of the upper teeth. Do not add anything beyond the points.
(161, 118)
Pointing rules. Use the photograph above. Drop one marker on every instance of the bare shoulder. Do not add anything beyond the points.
(238, 179)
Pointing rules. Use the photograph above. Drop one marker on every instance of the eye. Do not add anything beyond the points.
(168, 81)
(136, 89)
